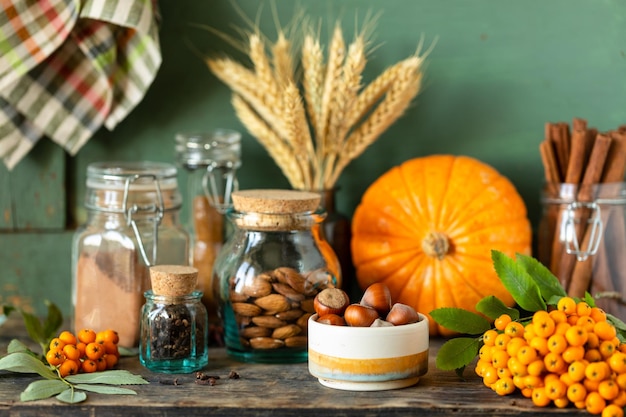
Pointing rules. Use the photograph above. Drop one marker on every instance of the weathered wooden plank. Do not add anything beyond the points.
(6, 212)
(38, 189)
(35, 267)
(274, 390)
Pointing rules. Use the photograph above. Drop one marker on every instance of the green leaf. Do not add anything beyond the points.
(589, 299)
(549, 285)
(616, 322)
(105, 389)
(71, 396)
(53, 321)
(25, 363)
(33, 327)
(554, 300)
(518, 282)
(113, 377)
(6, 310)
(460, 320)
(457, 353)
(492, 307)
(126, 351)
(17, 346)
(44, 388)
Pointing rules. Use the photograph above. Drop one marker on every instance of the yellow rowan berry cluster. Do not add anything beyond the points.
(87, 351)
(569, 355)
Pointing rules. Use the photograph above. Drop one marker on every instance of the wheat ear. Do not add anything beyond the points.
(283, 63)
(245, 83)
(278, 150)
(396, 101)
(342, 101)
(267, 86)
(300, 137)
(312, 78)
(376, 89)
(334, 65)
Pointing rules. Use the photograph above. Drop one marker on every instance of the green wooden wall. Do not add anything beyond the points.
(499, 70)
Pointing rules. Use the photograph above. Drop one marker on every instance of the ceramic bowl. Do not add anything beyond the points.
(368, 358)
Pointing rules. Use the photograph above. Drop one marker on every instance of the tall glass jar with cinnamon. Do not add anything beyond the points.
(210, 161)
(133, 223)
(582, 240)
(269, 272)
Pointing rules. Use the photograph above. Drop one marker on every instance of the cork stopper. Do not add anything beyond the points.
(173, 280)
(275, 209)
(275, 201)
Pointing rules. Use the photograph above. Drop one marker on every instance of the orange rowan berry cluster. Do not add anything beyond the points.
(87, 351)
(568, 355)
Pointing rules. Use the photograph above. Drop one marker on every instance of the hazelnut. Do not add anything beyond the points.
(332, 319)
(357, 315)
(331, 301)
(402, 314)
(378, 297)
(381, 323)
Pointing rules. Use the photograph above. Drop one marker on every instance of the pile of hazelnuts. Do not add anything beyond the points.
(375, 309)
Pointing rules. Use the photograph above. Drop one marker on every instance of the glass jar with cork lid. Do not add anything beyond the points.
(269, 272)
(174, 322)
(133, 223)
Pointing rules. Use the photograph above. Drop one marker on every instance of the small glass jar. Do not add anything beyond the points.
(133, 223)
(174, 322)
(582, 240)
(269, 272)
(211, 161)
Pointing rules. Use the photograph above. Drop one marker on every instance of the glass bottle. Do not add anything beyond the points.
(269, 271)
(338, 233)
(211, 161)
(132, 223)
(582, 240)
(174, 322)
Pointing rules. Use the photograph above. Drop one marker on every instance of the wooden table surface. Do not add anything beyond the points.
(268, 390)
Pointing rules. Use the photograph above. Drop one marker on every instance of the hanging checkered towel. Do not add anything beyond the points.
(67, 67)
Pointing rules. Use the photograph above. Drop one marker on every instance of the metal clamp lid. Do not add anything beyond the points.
(569, 226)
(137, 190)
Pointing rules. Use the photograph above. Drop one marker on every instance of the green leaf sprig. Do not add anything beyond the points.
(532, 286)
(40, 331)
(70, 389)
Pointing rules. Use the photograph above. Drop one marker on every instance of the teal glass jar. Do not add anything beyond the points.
(269, 272)
(174, 322)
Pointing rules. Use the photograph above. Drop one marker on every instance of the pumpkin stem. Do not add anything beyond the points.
(436, 245)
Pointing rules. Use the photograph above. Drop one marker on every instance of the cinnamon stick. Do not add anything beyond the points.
(595, 167)
(560, 140)
(550, 163)
(582, 270)
(616, 158)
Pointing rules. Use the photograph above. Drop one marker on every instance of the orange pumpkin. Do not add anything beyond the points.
(426, 229)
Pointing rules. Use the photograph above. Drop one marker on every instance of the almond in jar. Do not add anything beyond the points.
(269, 272)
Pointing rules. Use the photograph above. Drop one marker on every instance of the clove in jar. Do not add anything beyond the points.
(174, 322)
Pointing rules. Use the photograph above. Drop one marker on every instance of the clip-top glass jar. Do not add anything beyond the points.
(582, 240)
(211, 161)
(133, 223)
(269, 272)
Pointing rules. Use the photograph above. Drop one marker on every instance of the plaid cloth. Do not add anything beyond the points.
(67, 67)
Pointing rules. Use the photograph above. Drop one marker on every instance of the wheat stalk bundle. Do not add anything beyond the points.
(314, 120)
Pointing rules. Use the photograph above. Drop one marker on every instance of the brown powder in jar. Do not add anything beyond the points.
(109, 294)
